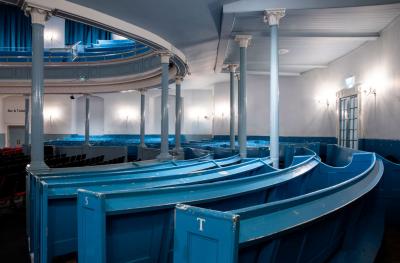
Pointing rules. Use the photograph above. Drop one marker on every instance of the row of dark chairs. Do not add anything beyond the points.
(64, 161)
(85, 162)
(12, 176)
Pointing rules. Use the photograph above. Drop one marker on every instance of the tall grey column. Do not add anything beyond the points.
(87, 119)
(272, 17)
(242, 95)
(178, 114)
(39, 18)
(142, 118)
(232, 69)
(26, 143)
(164, 154)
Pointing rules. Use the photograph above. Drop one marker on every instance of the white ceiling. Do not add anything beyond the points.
(314, 37)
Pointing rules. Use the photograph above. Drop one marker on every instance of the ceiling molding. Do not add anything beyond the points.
(228, 20)
(261, 5)
(288, 34)
(267, 73)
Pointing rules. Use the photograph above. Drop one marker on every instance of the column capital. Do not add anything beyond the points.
(142, 91)
(178, 80)
(243, 40)
(38, 15)
(165, 56)
(232, 67)
(272, 16)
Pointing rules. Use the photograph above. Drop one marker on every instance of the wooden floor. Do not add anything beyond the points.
(13, 245)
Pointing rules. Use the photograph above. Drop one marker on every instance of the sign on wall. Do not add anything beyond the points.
(14, 110)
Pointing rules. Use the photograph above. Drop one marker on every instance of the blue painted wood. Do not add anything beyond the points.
(150, 212)
(58, 199)
(32, 192)
(298, 228)
(203, 235)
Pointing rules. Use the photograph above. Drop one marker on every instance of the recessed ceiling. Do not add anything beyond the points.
(315, 37)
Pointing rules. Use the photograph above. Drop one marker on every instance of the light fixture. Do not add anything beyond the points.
(51, 114)
(350, 82)
(283, 51)
(50, 36)
(83, 78)
(127, 114)
(326, 97)
(222, 110)
(377, 80)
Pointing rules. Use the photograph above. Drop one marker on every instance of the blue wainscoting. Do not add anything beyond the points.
(295, 139)
(390, 149)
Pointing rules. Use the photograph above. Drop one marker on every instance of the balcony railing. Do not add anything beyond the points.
(76, 53)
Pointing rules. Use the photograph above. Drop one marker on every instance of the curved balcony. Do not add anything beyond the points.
(103, 50)
(107, 66)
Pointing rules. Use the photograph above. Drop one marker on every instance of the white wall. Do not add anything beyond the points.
(300, 114)
(376, 66)
(57, 114)
(303, 107)
(96, 115)
(121, 113)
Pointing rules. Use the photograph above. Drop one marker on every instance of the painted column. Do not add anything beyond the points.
(38, 18)
(272, 17)
(87, 119)
(26, 144)
(164, 154)
(232, 69)
(243, 41)
(178, 114)
(142, 118)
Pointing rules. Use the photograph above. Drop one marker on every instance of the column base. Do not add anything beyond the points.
(178, 150)
(26, 149)
(275, 162)
(164, 157)
(37, 167)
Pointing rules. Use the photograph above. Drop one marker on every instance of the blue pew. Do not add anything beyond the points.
(32, 179)
(128, 226)
(288, 228)
(391, 190)
(62, 191)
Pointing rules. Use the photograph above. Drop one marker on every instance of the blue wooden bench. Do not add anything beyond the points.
(129, 226)
(309, 227)
(32, 180)
(60, 193)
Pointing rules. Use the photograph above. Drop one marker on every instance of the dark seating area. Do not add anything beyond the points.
(12, 176)
(63, 161)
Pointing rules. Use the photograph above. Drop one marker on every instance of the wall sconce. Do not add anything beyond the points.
(369, 91)
(127, 114)
(222, 111)
(377, 80)
(197, 114)
(50, 36)
(51, 114)
(326, 98)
